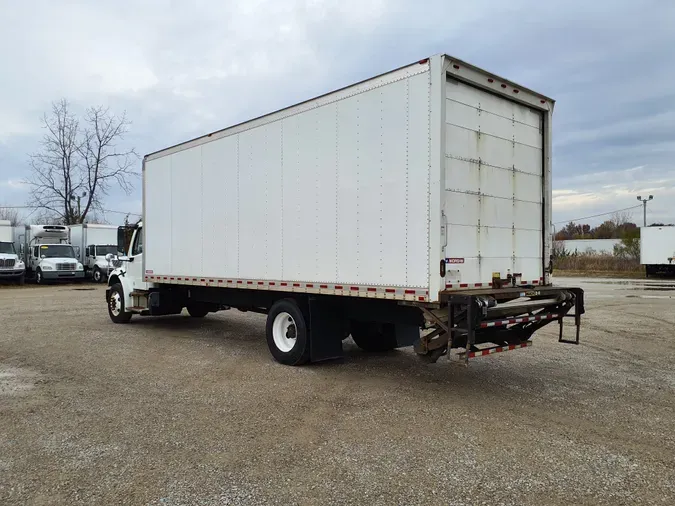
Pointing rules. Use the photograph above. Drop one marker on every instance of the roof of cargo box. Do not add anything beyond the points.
(456, 62)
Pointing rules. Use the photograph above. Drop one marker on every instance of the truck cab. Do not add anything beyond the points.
(96, 262)
(11, 266)
(48, 255)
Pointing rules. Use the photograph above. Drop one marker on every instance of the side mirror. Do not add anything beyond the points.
(110, 257)
(43, 256)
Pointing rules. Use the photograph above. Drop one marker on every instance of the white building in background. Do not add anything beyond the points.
(602, 246)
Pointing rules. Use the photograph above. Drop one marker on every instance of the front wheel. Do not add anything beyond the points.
(21, 280)
(97, 275)
(38, 277)
(287, 335)
(116, 305)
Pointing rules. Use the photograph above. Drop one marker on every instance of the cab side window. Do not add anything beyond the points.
(90, 251)
(35, 252)
(138, 243)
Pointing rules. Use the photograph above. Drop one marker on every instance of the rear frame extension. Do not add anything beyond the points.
(465, 319)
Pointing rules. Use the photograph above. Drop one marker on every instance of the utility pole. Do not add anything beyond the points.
(644, 206)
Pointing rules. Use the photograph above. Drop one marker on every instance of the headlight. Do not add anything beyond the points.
(47, 268)
(19, 264)
(79, 267)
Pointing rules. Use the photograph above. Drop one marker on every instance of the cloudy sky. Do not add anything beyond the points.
(181, 69)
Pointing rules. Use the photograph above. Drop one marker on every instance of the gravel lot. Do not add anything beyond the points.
(177, 411)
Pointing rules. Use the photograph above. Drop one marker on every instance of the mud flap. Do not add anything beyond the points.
(326, 330)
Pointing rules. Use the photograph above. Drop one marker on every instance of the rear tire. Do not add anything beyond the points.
(374, 337)
(116, 305)
(287, 335)
(197, 311)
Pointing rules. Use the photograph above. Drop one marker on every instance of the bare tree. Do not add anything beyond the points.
(11, 215)
(621, 218)
(79, 162)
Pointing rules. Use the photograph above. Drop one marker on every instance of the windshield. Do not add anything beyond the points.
(57, 250)
(7, 247)
(104, 250)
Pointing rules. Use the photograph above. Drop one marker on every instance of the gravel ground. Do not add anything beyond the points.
(178, 411)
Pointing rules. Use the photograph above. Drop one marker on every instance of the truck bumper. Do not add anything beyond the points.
(62, 275)
(11, 274)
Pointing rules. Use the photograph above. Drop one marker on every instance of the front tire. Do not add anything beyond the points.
(21, 280)
(287, 335)
(374, 337)
(97, 275)
(39, 280)
(116, 305)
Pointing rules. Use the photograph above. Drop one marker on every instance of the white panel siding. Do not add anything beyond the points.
(157, 224)
(349, 192)
(417, 181)
(494, 164)
(325, 192)
(336, 194)
(220, 202)
(186, 186)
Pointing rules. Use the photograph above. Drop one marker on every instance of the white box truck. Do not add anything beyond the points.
(657, 250)
(93, 242)
(47, 253)
(413, 208)
(12, 267)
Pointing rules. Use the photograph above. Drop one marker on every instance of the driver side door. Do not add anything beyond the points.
(134, 266)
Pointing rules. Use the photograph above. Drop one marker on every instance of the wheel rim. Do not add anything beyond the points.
(38, 277)
(97, 276)
(115, 303)
(284, 332)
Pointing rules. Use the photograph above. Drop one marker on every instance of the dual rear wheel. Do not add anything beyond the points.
(288, 338)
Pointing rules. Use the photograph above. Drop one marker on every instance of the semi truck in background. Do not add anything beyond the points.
(12, 267)
(410, 209)
(94, 242)
(657, 250)
(47, 253)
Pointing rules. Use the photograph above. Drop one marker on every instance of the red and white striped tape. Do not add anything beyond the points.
(499, 349)
(381, 292)
(524, 319)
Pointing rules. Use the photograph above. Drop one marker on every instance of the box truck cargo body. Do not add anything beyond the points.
(412, 187)
(657, 250)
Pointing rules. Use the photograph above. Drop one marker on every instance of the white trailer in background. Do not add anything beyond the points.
(657, 250)
(411, 208)
(48, 254)
(11, 266)
(93, 242)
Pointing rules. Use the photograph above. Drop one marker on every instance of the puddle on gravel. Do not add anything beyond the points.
(84, 289)
(14, 380)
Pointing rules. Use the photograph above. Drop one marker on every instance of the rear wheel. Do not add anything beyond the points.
(287, 335)
(197, 310)
(371, 336)
(116, 305)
